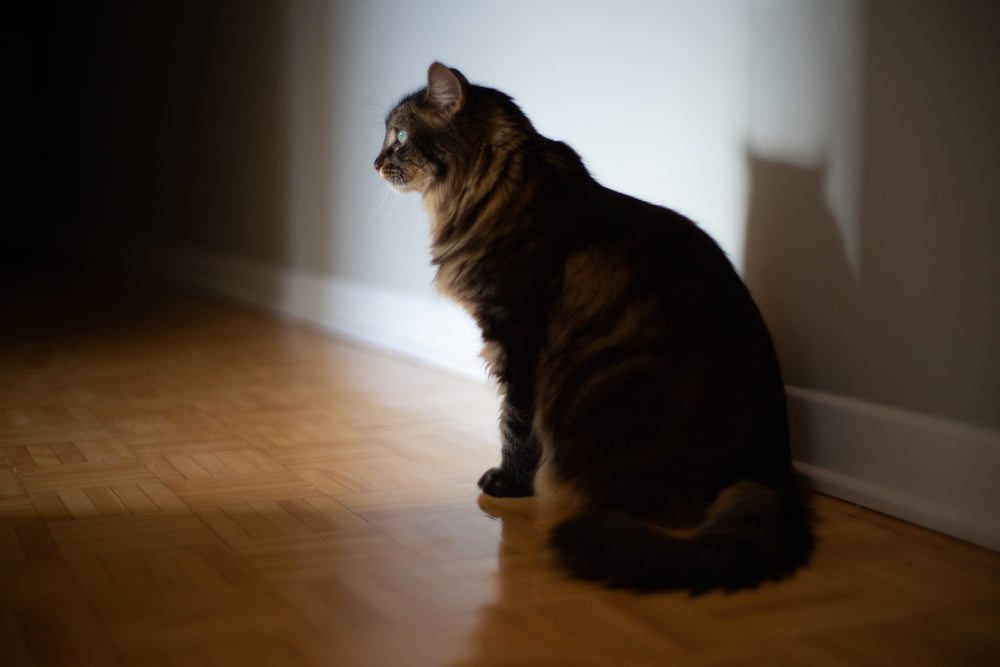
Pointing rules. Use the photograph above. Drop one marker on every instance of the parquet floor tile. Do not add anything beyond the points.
(183, 482)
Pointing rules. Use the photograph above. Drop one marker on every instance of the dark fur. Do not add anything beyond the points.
(636, 370)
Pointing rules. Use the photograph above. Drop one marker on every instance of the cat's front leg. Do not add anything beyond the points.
(520, 454)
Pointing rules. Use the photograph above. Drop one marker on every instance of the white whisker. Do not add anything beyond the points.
(386, 191)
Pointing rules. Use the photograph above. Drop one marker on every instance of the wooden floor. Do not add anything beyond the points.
(186, 483)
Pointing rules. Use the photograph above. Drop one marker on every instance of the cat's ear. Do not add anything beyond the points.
(446, 89)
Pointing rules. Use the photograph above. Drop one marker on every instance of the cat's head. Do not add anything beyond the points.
(439, 131)
(410, 160)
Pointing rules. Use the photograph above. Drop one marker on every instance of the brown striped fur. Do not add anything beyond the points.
(639, 382)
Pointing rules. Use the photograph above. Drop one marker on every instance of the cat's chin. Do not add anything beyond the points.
(403, 187)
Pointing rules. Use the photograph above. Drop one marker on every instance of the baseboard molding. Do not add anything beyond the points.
(426, 329)
(934, 472)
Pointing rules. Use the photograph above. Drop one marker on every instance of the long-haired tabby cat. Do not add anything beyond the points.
(640, 385)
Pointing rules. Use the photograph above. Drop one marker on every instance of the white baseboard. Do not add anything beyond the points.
(931, 471)
(427, 329)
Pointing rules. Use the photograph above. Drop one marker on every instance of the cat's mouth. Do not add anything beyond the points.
(398, 181)
(392, 175)
(395, 179)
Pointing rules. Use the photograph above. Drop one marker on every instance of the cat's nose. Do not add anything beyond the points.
(378, 163)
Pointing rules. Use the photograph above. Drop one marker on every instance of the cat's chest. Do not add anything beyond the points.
(473, 271)
(470, 279)
(500, 294)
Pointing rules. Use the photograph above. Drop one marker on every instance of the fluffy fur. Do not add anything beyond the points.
(640, 385)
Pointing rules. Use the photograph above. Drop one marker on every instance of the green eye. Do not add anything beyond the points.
(401, 136)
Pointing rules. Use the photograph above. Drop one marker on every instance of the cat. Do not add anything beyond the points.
(640, 387)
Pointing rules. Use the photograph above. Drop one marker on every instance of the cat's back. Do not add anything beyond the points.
(646, 278)
(658, 244)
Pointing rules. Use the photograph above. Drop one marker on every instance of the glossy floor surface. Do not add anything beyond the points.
(187, 483)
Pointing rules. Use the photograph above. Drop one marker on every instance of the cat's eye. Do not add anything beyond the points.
(401, 136)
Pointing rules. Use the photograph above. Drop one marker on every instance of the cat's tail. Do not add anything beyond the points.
(752, 534)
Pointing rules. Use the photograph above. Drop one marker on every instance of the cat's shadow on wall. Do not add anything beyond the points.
(796, 266)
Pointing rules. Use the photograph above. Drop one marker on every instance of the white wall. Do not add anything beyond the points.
(872, 244)
(805, 88)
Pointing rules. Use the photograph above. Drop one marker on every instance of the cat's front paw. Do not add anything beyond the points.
(499, 484)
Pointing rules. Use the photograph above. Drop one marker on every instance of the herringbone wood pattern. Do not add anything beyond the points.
(184, 483)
